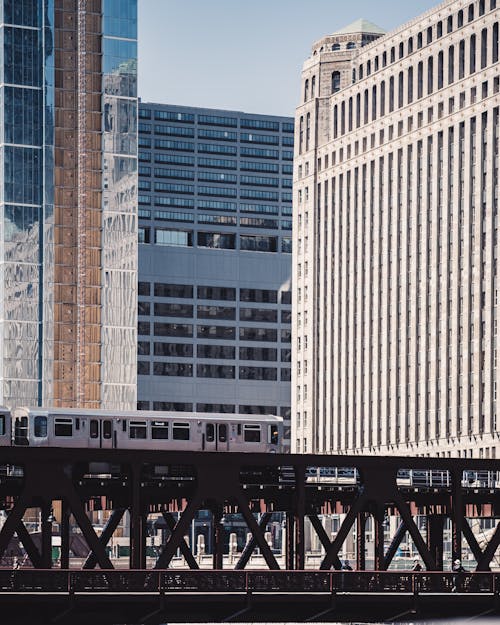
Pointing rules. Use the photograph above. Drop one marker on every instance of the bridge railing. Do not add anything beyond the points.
(206, 582)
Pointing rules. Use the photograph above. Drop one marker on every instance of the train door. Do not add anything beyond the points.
(215, 437)
(21, 431)
(101, 433)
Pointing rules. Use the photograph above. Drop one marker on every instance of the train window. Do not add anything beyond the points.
(222, 433)
(106, 429)
(251, 433)
(94, 428)
(137, 429)
(273, 434)
(63, 427)
(2, 425)
(159, 430)
(124, 425)
(239, 429)
(180, 431)
(210, 432)
(40, 428)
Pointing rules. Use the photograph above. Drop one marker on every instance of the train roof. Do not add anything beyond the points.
(149, 414)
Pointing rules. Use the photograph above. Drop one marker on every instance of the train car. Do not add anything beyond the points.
(5, 427)
(114, 429)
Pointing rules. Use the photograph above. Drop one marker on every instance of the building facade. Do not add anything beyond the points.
(215, 221)
(68, 256)
(396, 240)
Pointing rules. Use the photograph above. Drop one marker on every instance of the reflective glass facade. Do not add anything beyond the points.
(119, 218)
(68, 233)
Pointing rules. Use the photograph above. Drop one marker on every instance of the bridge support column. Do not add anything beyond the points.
(137, 524)
(360, 542)
(46, 543)
(378, 535)
(218, 541)
(290, 544)
(435, 528)
(65, 533)
(300, 513)
(457, 515)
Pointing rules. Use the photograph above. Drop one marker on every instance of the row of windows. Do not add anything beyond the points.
(227, 333)
(216, 163)
(432, 32)
(215, 240)
(166, 406)
(217, 135)
(245, 194)
(408, 125)
(227, 352)
(226, 220)
(215, 120)
(227, 372)
(218, 205)
(145, 143)
(413, 83)
(162, 289)
(269, 315)
(211, 176)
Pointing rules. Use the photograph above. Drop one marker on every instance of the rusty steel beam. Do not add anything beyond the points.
(106, 534)
(185, 550)
(252, 543)
(216, 483)
(323, 537)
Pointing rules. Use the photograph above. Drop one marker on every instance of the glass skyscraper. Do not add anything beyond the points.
(68, 251)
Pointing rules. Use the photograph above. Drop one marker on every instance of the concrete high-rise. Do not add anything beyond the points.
(396, 238)
(215, 204)
(68, 146)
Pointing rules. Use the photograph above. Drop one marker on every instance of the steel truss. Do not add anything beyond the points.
(239, 483)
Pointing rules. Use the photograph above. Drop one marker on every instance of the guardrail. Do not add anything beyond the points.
(31, 581)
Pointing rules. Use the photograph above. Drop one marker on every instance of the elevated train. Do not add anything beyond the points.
(190, 431)
(119, 429)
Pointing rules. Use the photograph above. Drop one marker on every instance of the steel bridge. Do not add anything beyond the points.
(176, 485)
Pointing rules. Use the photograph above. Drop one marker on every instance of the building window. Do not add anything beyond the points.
(335, 82)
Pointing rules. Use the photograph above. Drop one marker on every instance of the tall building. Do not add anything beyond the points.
(396, 239)
(215, 220)
(68, 150)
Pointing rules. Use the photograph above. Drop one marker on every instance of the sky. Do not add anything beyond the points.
(244, 55)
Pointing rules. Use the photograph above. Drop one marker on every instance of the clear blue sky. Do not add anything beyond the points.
(244, 55)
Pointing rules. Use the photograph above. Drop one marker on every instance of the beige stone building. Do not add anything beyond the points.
(395, 239)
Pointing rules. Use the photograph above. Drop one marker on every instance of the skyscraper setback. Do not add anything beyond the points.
(68, 148)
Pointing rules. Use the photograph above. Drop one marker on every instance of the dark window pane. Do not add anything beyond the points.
(216, 332)
(258, 334)
(216, 312)
(217, 293)
(40, 426)
(63, 427)
(182, 350)
(173, 369)
(173, 290)
(173, 329)
(259, 295)
(215, 371)
(180, 431)
(137, 430)
(159, 430)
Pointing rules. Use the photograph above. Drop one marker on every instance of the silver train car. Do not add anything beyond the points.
(118, 429)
